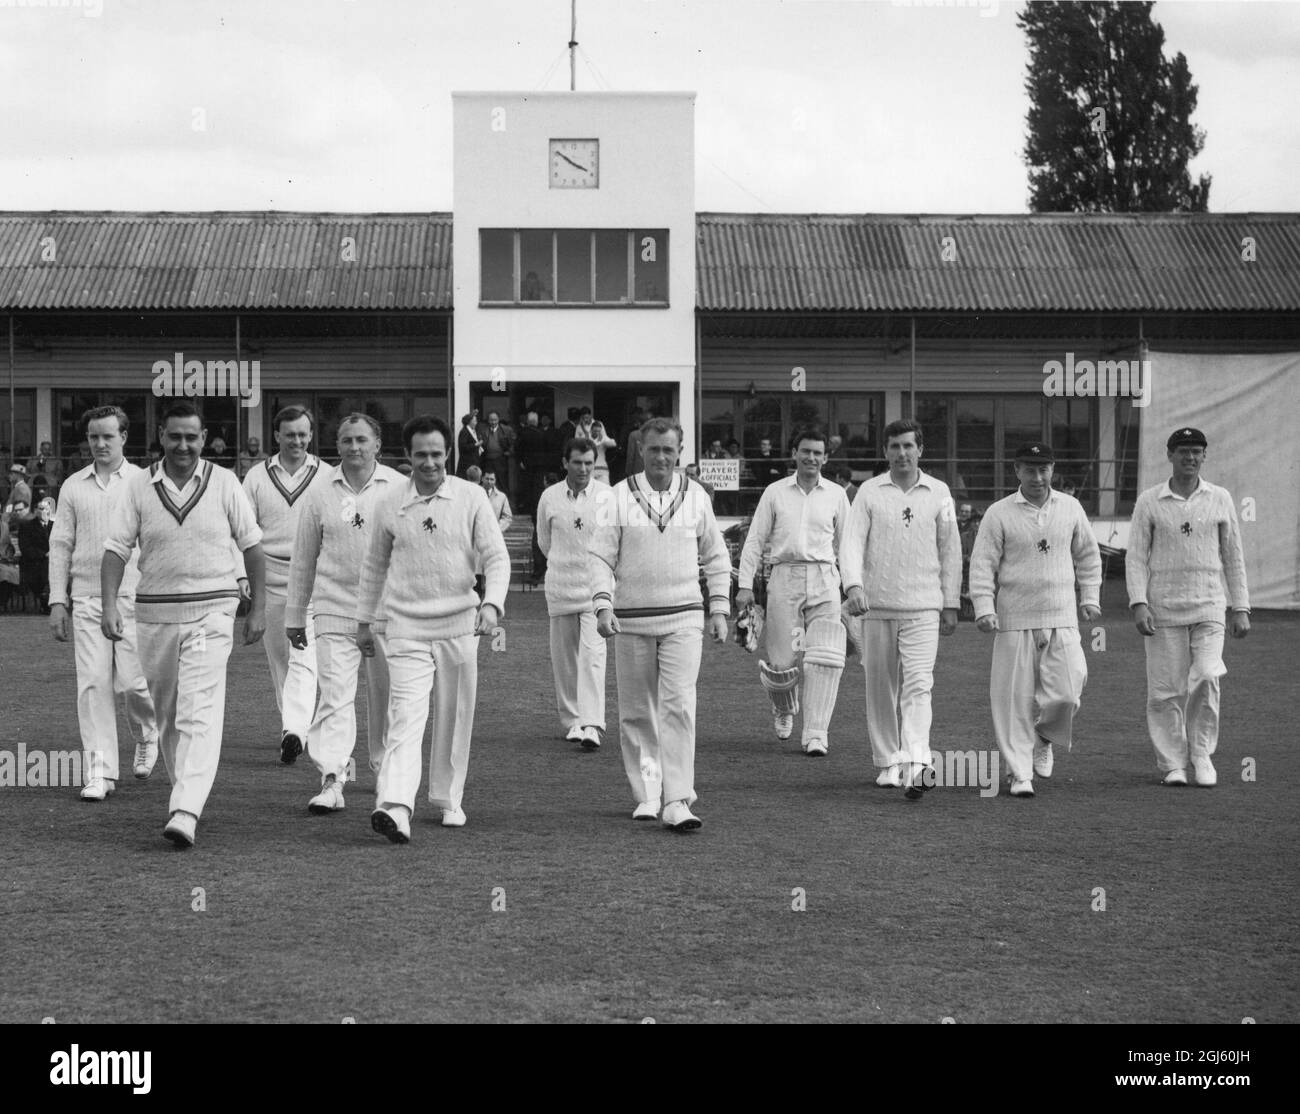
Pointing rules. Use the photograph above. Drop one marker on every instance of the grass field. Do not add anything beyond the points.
(958, 906)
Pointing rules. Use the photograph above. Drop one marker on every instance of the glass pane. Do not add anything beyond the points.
(70, 406)
(717, 421)
(1022, 421)
(497, 265)
(611, 266)
(573, 263)
(329, 413)
(1126, 452)
(809, 410)
(389, 410)
(1071, 441)
(974, 477)
(17, 430)
(535, 264)
(762, 423)
(855, 424)
(219, 418)
(435, 405)
(932, 412)
(650, 263)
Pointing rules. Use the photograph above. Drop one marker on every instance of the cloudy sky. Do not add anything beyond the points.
(803, 105)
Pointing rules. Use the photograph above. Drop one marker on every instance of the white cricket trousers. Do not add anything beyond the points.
(185, 665)
(104, 669)
(1035, 687)
(333, 733)
(796, 595)
(1184, 665)
(656, 711)
(578, 664)
(447, 668)
(293, 672)
(898, 661)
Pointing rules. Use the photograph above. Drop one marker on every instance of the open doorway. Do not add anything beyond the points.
(617, 406)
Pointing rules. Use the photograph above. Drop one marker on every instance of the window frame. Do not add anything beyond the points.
(630, 301)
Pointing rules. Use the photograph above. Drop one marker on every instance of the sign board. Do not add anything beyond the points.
(723, 475)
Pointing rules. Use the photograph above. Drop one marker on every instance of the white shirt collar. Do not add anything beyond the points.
(377, 476)
(1019, 498)
(411, 495)
(1167, 492)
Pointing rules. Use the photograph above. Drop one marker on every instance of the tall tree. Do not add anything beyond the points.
(1109, 120)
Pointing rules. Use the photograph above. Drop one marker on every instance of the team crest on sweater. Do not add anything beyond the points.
(907, 516)
(1043, 547)
(1186, 529)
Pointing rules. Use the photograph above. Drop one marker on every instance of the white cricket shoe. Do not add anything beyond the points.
(453, 817)
(329, 799)
(181, 828)
(890, 778)
(590, 738)
(1203, 772)
(680, 818)
(146, 754)
(816, 746)
(784, 726)
(395, 823)
(1175, 777)
(1043, 758)
(1022, 788)
(574, 735)
(97, 788)
(646, 810)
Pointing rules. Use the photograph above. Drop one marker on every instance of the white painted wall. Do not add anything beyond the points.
(501, 158)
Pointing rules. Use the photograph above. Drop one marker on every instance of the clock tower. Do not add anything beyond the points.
(574, 255)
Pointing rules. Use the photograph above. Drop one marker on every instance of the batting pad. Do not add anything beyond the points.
(823, 663)
(782, 687)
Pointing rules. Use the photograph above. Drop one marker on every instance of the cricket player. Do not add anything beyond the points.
(656, 533)
(1031, 548)
(566, 521)
(277, 488)
(104, 668)
(800, 524)
(183, 513)
(1184, 542)
(901, 565)
(428, 535)
(333, 536)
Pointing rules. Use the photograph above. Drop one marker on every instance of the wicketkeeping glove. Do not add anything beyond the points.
(749, 627)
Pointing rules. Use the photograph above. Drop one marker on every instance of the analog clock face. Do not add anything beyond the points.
(575, 163)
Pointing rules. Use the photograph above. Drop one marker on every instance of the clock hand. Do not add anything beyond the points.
(572, 163)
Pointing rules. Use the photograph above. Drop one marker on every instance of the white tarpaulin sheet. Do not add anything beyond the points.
(1248, 407)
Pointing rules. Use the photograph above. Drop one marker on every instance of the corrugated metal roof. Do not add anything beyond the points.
(1041, 263)
(798, 263)
(151, 261)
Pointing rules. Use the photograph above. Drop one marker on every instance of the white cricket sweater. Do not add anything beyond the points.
(1030, 556)
(187, 562)
(86, 513)
(1180, 552)
(647, 554)
(334, 528)
(277, 499)
(566, 523)
(422, 557)
(903, 549)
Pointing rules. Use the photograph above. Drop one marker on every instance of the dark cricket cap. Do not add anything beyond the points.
(1186, 436)
(1035, 452)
